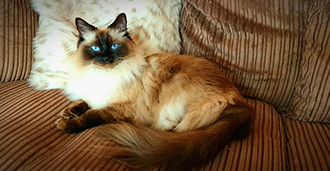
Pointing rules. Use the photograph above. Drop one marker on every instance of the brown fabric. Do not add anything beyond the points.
(30, 141)
(258, 44)
(308, 145)
(311, 100)
(18, 24)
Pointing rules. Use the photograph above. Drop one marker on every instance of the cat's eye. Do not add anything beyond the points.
(114, 46)
(95, 48)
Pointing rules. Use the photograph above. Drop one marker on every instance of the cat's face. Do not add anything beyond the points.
(104, 47)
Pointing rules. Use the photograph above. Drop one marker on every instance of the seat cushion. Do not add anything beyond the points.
(308, 145)
(29, 139)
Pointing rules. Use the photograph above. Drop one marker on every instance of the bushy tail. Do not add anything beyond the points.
(144, 148)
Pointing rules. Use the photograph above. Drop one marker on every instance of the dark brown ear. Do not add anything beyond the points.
(83, 27)
(120, 23)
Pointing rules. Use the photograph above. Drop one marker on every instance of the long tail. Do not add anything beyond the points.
(144, 148)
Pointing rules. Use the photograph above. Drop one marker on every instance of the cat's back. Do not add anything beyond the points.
(178, 68)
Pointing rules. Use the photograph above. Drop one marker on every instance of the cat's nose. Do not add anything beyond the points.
(104, 60)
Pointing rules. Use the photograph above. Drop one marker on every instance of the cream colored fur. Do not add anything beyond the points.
(153, 24)
(100, 86)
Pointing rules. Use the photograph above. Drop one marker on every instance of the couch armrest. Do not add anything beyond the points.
(18, 25)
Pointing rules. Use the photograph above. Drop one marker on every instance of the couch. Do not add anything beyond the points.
(277, 52)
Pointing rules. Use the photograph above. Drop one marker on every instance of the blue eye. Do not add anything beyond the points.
(114, 46)
(95, 48)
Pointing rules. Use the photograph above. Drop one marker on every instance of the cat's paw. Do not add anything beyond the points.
(62, 121)
(61, 124)
(167, 125)
(66, 125)
(68, 114)
(75, 110)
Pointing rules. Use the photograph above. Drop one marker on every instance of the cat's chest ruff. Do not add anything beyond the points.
(98, 88)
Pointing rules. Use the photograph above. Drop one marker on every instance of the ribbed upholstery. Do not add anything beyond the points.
(18, 24)
(311, 100)
(258, 44)
(308, 145)
(30, 141)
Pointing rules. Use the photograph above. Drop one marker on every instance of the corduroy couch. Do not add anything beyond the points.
(276, 51)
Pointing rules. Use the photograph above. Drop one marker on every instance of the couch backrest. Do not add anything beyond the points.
(277, 51)
(311, 99)
(258, 44)
(18, 24)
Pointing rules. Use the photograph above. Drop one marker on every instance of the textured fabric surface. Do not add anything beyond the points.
(18, 25)
(30, 141)
(258, 44)
(308, 145)
(311, 100)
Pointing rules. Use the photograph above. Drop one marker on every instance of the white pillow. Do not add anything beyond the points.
(154, 24)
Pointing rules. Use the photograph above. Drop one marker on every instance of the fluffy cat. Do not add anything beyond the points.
(160, 108)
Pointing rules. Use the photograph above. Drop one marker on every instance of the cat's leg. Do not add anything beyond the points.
(75, 110)
(171, 114)
(96, 117)
(201, 113)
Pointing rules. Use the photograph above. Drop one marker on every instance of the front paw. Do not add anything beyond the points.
(61, 124)
(62, 121)
(67, 125)
(68, 114)
(76, 109)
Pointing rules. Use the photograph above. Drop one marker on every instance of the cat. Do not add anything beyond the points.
(159, 108)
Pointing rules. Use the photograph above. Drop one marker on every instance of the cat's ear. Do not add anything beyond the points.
(84, 27)
(120, 23)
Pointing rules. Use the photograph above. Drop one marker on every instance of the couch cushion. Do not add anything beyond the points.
(257, 43)
(30, 141)
(311, 100)
(308, 145)
(18, 24)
